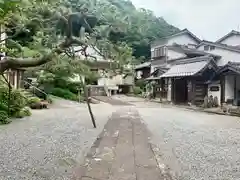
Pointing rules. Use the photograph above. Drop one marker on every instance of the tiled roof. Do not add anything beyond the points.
(233, 32)
(143, 65)
(157, 74)
(188, 51)
(223, 46)
(188, 67)
(232, 66)
(177, 34)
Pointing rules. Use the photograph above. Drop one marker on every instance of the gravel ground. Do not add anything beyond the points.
(194, 145)
(51, 142)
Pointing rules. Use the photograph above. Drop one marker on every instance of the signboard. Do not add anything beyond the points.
(214, 88)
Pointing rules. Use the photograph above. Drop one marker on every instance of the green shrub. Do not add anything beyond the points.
(3, 117)
(137, 90)
(17, 104)
(27, 111)
(23, 113)
(64, 93)
(33, 100)
(49, 100)
(3, 106)
(17, 101)
(141, 83)
(73, 87)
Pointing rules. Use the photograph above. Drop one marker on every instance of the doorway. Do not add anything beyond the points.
(180, 91)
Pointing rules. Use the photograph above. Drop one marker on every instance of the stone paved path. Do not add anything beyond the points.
(112, 101)
(122, 152)
(47, 145)
(194, 145)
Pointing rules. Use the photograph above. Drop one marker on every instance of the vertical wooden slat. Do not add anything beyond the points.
(18, 78)
(235, 87)
(222, 82)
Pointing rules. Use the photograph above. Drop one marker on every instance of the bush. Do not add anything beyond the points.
(73, 87)
(26, 111)
(33, 100)
(141, 83)
(17, 101)
(64, 93)
(3, 117)
(49, 100)
(137, 90)
(3, 106)
(23, 112)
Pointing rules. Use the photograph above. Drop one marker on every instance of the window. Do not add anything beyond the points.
(206, 48)
(212, 48)
(152, 53)
(209, 48)
(159, 52)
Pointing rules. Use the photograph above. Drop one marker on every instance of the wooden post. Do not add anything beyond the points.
(89, 107)
(9, 97)
(9, 93)
(79, 96)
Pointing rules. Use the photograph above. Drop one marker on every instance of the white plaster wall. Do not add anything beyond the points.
(15, 80)
(2, 36)
(233, 40)
(174, 55)
(89, 51)
(169, 92)
(111, 82)
(116, 80)
(215, 93)
(225, 54)
(229, 87)
(139, 74)
(128, 80)
(102, 81)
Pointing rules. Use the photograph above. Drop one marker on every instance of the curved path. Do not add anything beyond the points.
(51, 142)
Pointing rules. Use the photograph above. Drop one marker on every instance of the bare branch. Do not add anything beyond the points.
(14, 63)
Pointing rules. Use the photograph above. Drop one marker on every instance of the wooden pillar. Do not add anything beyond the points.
(222, 83)
(193, 92)
(235, 87)
(190, 91)
(173, 94)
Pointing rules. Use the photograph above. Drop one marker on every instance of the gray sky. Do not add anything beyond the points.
(208, 19)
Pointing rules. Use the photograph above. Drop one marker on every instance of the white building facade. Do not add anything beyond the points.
(224, 82)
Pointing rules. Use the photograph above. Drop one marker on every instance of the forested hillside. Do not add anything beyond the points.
(42, 35)
(131, 27)
(136, 27)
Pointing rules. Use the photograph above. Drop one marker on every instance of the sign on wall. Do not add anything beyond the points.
(214, 88)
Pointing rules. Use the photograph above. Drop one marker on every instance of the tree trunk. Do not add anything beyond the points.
(89, 106)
